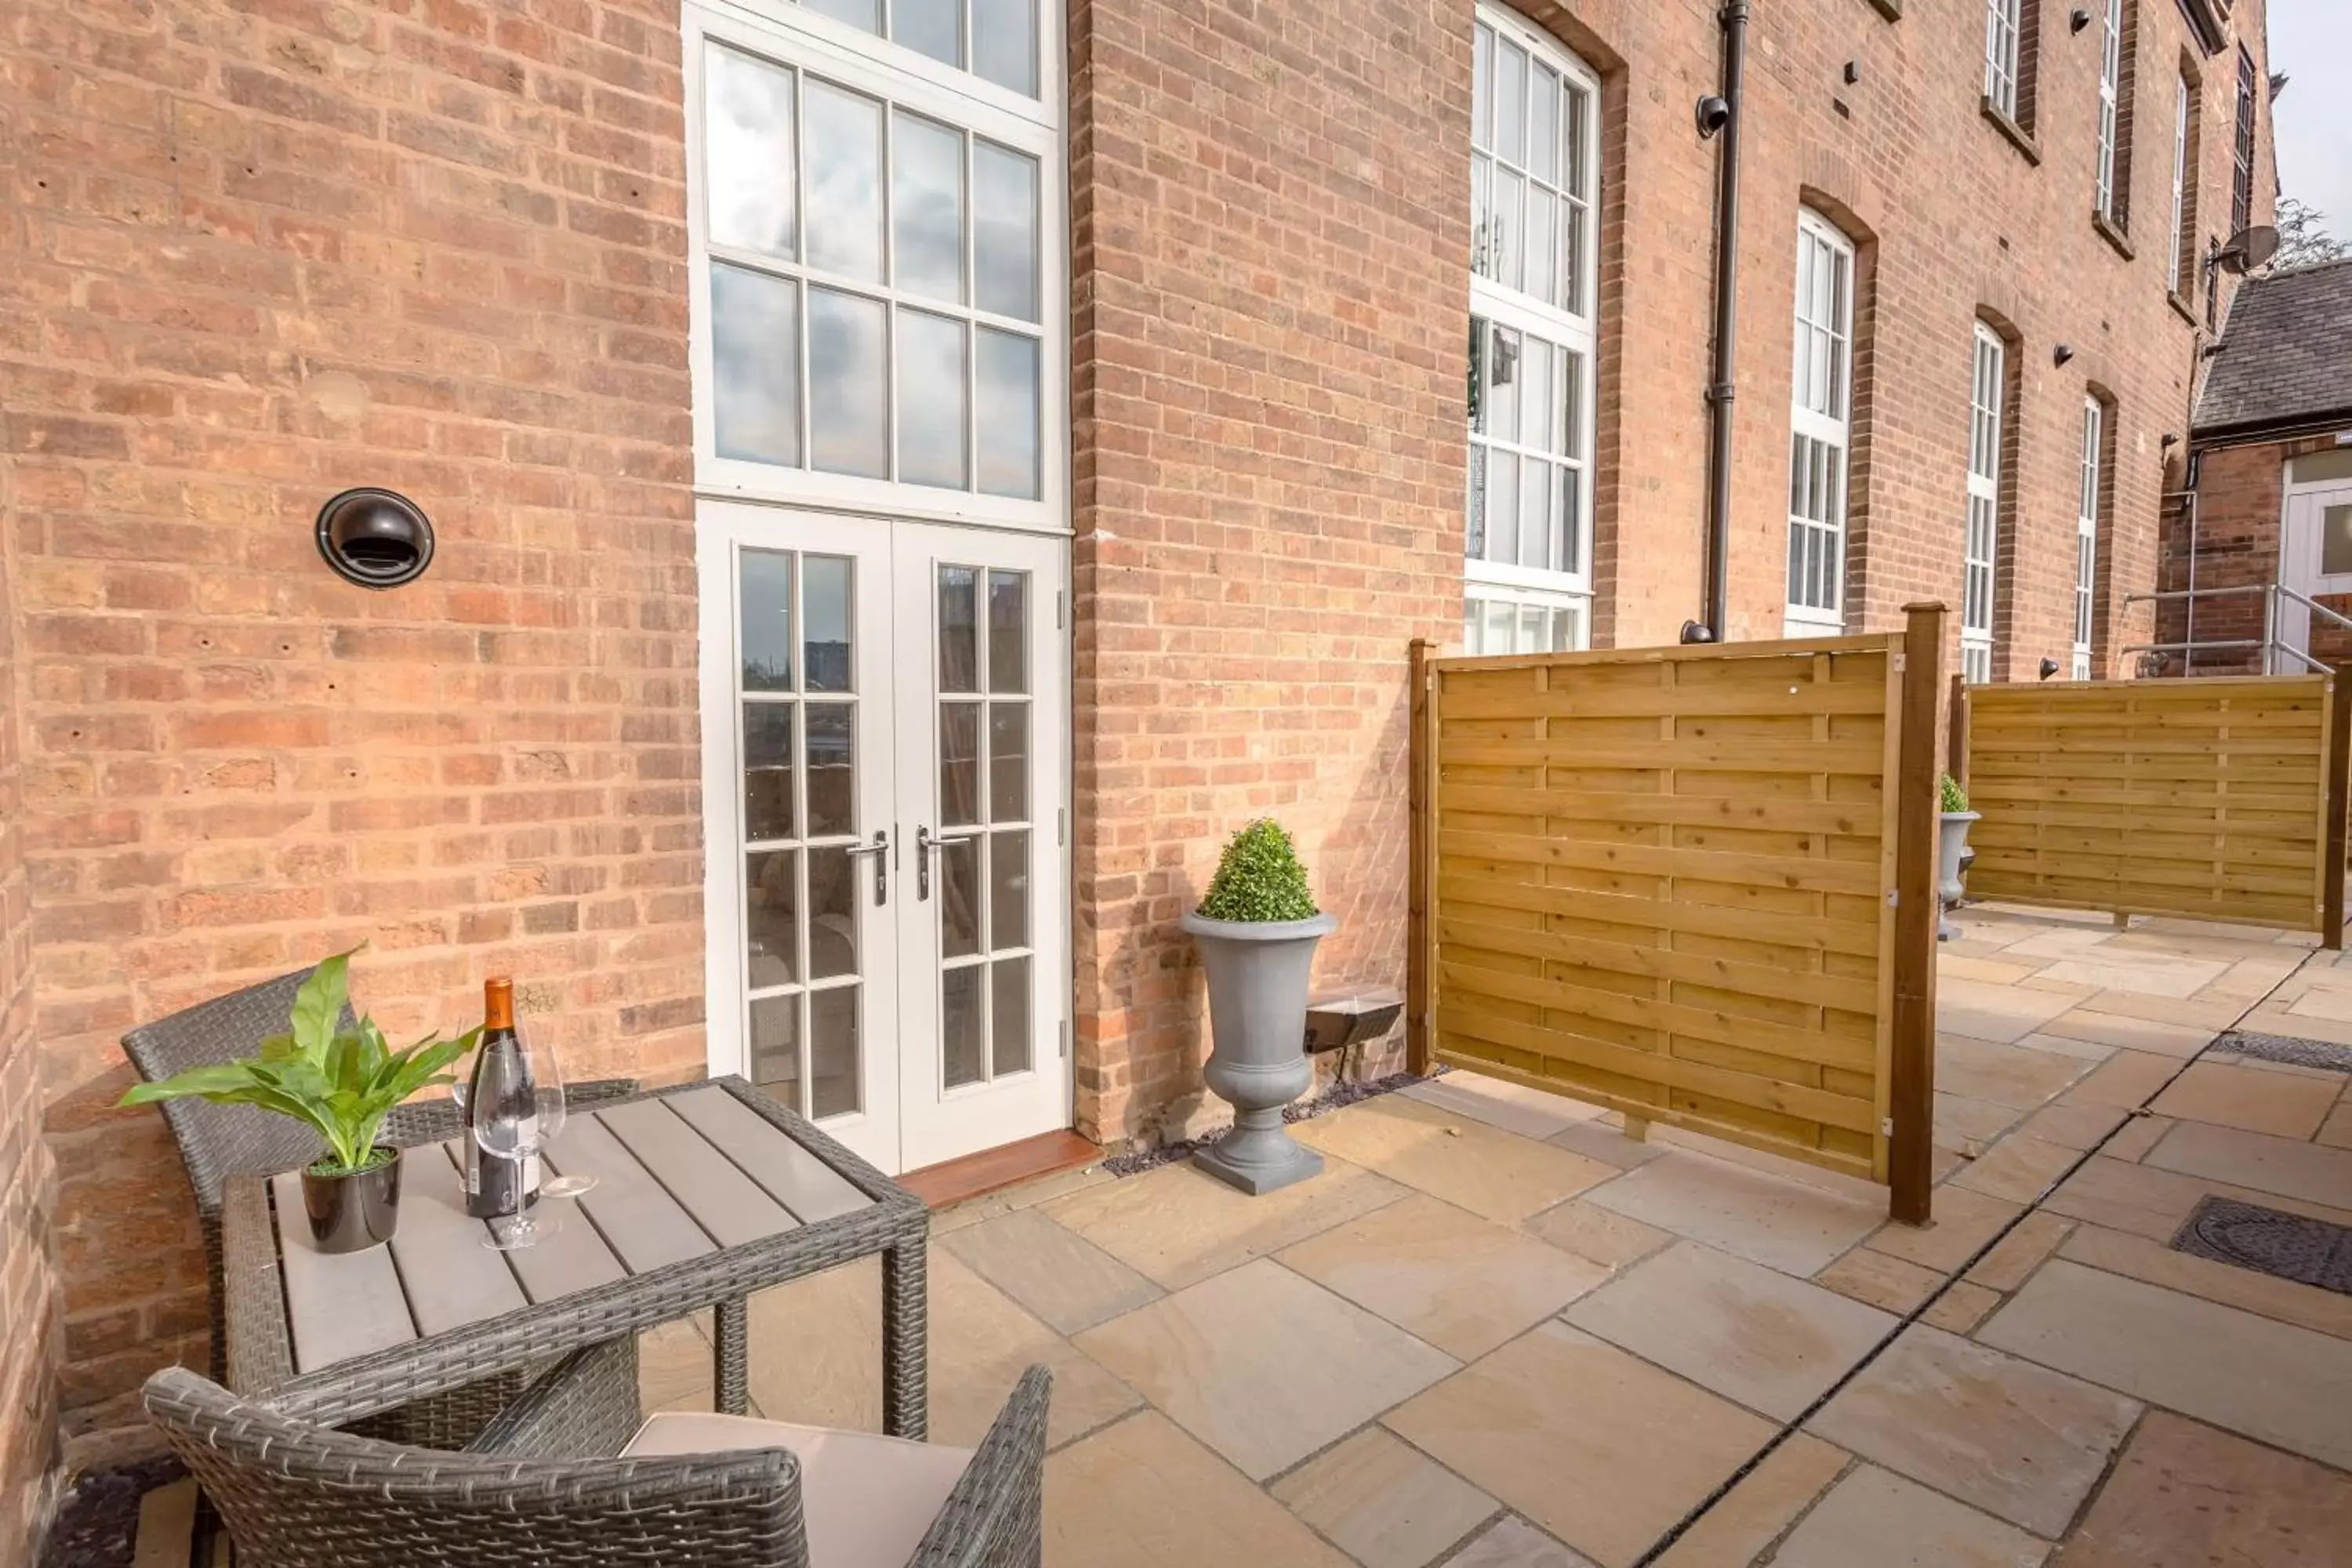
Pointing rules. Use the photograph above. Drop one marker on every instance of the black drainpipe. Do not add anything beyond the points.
(1722, 114)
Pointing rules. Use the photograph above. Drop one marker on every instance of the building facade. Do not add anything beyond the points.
(909, 481)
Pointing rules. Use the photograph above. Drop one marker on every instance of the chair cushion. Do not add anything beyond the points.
(867, 1500)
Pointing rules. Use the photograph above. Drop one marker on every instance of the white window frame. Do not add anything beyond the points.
(1823, 349)
(1508, 308)
(1980, 540)
(2002, 26)
(2087, 534)
(2179, 180)
(2111, 67)
(795, 36)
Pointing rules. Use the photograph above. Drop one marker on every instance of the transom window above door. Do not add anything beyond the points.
(879, 261)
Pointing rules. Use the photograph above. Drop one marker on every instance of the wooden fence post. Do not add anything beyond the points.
(1911, 1089)
(1956, 745)
(2339, 797)
(1421, 758)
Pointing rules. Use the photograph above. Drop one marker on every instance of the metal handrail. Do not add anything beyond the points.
(2268, 643)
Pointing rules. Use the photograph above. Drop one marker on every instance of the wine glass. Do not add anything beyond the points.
(507, 1117)
(554, 1109)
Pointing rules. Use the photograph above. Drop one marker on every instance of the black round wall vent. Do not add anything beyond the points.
(375, 538)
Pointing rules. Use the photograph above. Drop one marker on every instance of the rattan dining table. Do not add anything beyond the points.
(704, 1193)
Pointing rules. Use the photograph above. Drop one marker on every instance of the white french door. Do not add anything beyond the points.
(884, 741)
(2315, 558)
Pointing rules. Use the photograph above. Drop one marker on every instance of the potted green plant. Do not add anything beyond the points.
(1951, 844)
(1257, 927)
(342, 1083)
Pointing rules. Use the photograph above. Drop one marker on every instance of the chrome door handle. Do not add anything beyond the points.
(880, 850)
(925, 841)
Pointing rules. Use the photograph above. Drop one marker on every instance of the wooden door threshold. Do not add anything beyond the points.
(994, 1170)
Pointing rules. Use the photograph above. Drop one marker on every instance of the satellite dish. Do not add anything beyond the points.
(2248, 248)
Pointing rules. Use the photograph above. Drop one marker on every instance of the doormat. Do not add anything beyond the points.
(2287, 1049)
(1338, 1097)
(2286, 1245)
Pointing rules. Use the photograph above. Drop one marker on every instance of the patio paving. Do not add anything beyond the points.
(1496, 1333)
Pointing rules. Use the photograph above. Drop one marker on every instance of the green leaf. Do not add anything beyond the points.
(224, 1078)
(1259, 879)
(277, 1047)
(320, 1003)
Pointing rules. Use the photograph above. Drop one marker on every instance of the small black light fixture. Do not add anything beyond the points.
(1853, 72)
(2062, 353)
(2049, 667)
(1713, 114)
(2077, 19)
(375, 538)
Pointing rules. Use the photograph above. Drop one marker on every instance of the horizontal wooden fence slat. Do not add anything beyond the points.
(1662, 880)
(2207, 797)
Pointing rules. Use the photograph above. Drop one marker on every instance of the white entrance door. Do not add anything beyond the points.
(884, 715)
(2314, 557)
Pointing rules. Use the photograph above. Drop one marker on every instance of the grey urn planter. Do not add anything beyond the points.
(1259, 974)
(1951, 839)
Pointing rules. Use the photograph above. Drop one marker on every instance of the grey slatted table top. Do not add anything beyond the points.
(703, 1193)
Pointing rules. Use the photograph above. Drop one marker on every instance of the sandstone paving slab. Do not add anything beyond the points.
(2067, 1046)
(2335, 1132)
(2018, 1168)
(1493, 1173)
(2186, 1496)
(1999, 1013)
(2274, 1020)
(2324, 1002)
(2139, 1133)
(1756, 1510)
(1765, 1218)
(1960, 1308)
(1176, 1225)
(2017, 1254)
(1967, 1126)
(1593, 1444)
(2228, 1094)
(1383, 1502)
(2249, 1289)
(2163, 1037)
(2017, 1440)
(1027, 1194)
(2123, 1195)
(1263, 1366)
(2123, 1080)
(1602, 1234)
(1960, 1222)
(1529, 1113)
(1889, 1283)
(1459, 1282)
(1513, 1542)
(2286, 1167)
(2052, 941)
(1142, 1494)
(2215, 1016)
(2274, 1381)
(1066, 1280)
(2003, 1072)
(1994, 971)
(1875, 1519)
(673, 1367)
(1743, 1331)
(2151, 974)
(1601, 1141)
(2075, 1126)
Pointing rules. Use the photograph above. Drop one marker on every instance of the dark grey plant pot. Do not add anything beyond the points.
(1259, 974)
(353, 1213)
(1951, 842)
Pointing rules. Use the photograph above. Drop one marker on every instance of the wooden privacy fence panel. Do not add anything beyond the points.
(1661, 881)
(2217, 797)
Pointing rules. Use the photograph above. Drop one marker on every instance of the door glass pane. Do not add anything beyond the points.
(835, 1079)
(862, 13)
(767, 771)
(963, 1058)
(755, 365)
(834, 878)
(1510, 101)
(1008, 762)
(765, 629)
(2334, 540)
(959, 899)
(959, 764)
(1004, 201)
(775, 1046)
(959, 630)
(832, 770)
(1543, 127)
(1009, 464)
(933, 28)
(749, 181)
(1008, 631)
(846, 396)
(845, 181)
(1008, 891)
(1008, 986)
(927, 207)
(770, 935)
(931, 400)
(824, 593)
(1004, 43)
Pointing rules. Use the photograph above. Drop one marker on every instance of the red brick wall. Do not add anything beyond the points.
(260, 250)
(28, 1321)
(1270, 287)
(2240, 492)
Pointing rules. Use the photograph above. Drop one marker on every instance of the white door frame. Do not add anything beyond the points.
(2302, 507)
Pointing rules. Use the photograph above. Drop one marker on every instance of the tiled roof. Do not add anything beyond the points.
(2286, 352)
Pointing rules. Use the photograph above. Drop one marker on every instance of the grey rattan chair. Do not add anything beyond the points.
(217, 1141)
(543, 1487)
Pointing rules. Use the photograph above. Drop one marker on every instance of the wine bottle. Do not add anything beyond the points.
(491, 1182)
